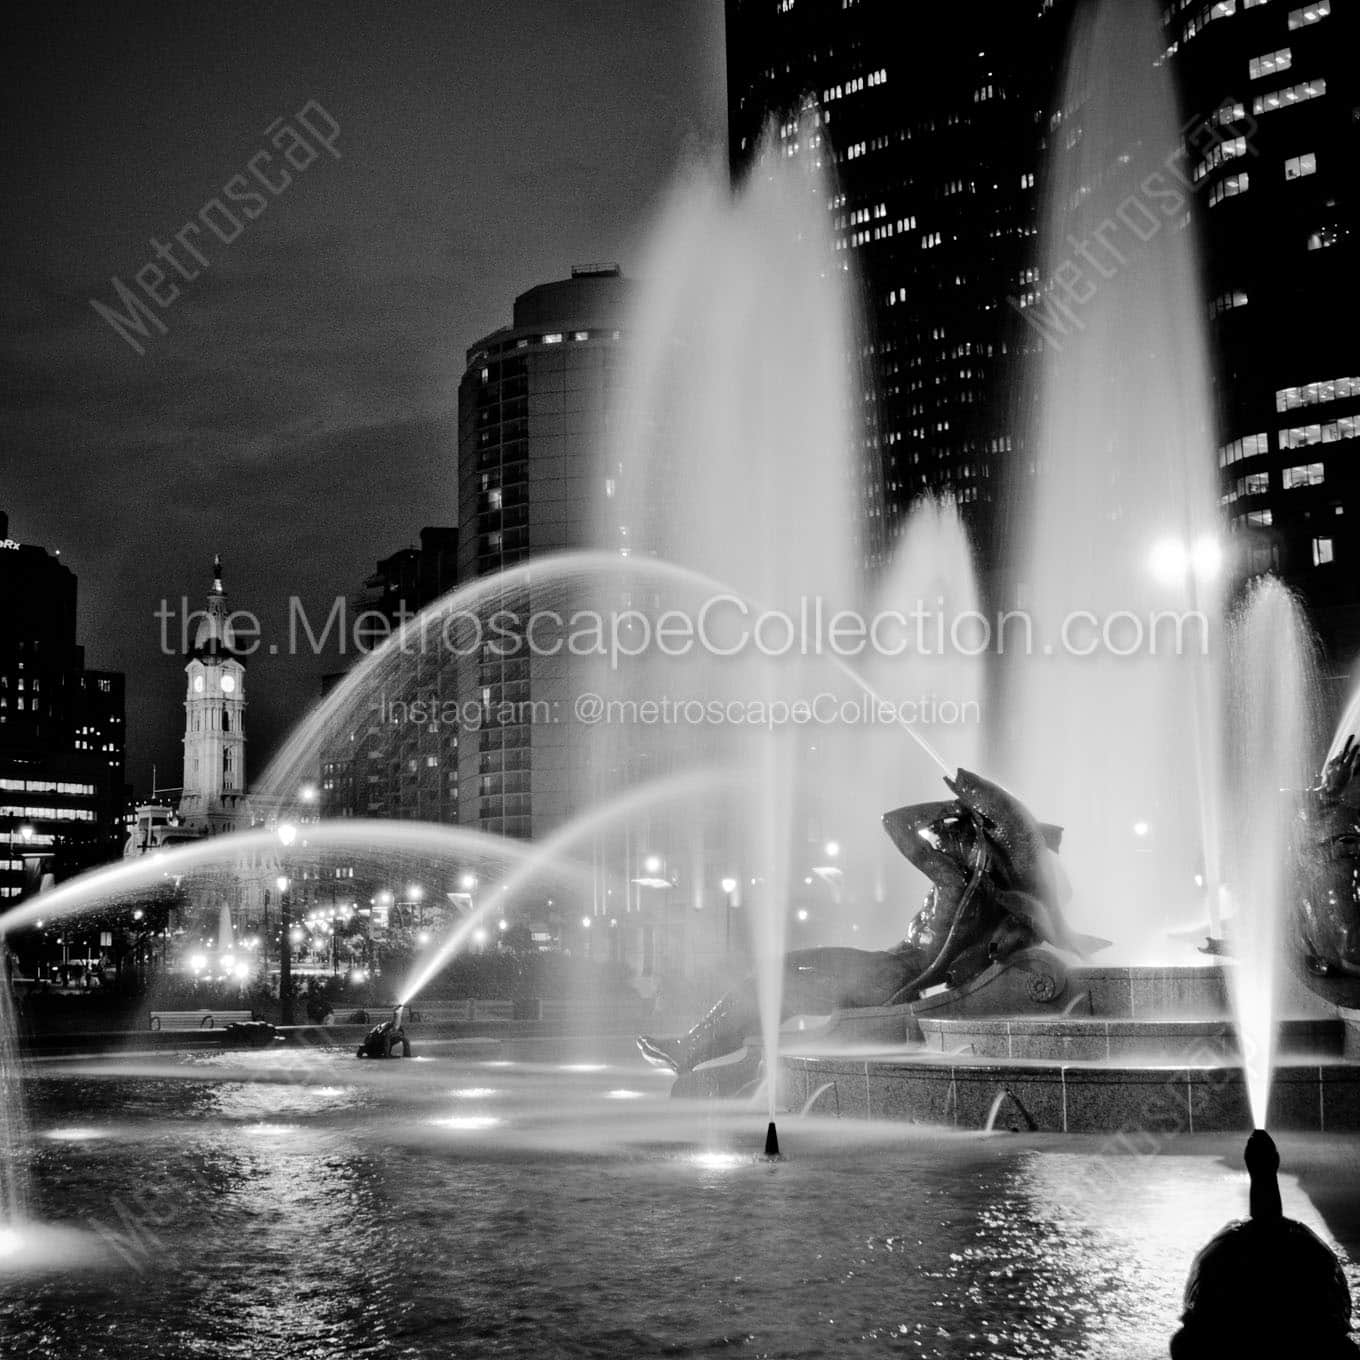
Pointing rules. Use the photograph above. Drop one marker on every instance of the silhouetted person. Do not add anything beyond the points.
(1265, 1286)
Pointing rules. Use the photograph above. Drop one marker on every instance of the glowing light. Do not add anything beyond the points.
(652, 864)
(584, 1067)
(479, 936)
(623, 1094)
(1141, 828)
(833, 849)
(423, 937)
(11, 1243)
(468, 882)
(729, 885)
(307, 793)
(415, 892)
(1206, 557)
(228, 963)
(502, 925)
(802, 913)
(198, 963)
(467, 1123)
(287, 833)
(281, 883)
(717, 1161)
(74, 1135)
(585, 923)
(1168, 561)
(474, 1092)
(136, 915)
(242, 971)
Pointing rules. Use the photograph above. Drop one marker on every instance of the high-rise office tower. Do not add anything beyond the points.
(62, 737)
(938, 148)
(533, 414)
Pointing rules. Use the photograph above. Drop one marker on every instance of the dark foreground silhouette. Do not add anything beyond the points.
(1266, 1286)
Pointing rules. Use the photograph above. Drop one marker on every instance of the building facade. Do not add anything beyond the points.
(933, 148)
(938, 151)
(62, 738)
(397, 754)
(534, 408)
(1277, 205)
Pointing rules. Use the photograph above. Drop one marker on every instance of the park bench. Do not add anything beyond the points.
(202, 1019)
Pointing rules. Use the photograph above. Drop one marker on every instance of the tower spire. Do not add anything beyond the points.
(217, 588)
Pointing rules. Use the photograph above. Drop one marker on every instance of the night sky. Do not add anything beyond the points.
(299, 415)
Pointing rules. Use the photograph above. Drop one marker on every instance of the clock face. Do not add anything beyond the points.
(228, 684)
(198, 684)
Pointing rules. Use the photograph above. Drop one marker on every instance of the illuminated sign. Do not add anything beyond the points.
(8, 543)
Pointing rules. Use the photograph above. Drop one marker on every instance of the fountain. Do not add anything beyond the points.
(733, 476)
(1172, 748)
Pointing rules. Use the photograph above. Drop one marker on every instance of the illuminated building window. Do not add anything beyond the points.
(1305, 474)
(1226, 150)
(1300, 436)
(1291, 94)
(1257, 519)
(1326, 236)
(1322, 552)
(1249, 446)
(1296, 167)
(1270, 64)
(1329, 432)
(1225, 302)
(1229, 187)
(1311, 394)
(1309, 14)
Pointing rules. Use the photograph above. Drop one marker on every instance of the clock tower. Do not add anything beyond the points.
(213, 799)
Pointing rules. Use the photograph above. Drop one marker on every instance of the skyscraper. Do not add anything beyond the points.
(933, 143)
(533, 411)
(62, 740)
(1277, 205)
(938, 147)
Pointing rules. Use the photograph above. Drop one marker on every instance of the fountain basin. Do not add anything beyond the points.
(1093, 1039)
(1130, 1103)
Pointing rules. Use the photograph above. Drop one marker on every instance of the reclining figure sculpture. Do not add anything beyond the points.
(1327, 916)
(998, 889)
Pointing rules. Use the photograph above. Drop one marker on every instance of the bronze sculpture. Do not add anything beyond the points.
(998, 889)
(1327, 916)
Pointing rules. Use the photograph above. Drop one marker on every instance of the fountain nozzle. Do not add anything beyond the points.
(772, 1142)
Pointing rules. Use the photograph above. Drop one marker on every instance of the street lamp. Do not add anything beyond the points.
(729, 887)
(285, 953)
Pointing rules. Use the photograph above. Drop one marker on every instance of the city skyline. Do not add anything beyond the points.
(330, 334)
